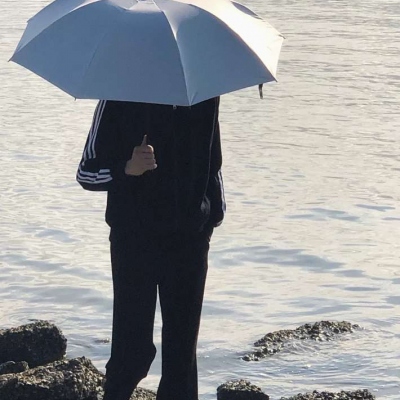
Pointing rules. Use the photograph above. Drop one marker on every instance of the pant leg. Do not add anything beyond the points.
(135, 296)
(181, 291)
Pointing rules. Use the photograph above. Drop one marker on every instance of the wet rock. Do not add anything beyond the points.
(75, 379)
(38, 343)
(11, 367)
(274, 342)
(138, 394)
(240, 390)
(143, 394)
(356, 395)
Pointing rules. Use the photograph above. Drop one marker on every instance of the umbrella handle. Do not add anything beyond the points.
(260, 89)
(148, 125)
(148, 119)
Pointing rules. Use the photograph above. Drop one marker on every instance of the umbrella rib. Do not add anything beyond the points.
(241, 39)
(91, 60)
(246, 44)
(48, 26)
(179, 50)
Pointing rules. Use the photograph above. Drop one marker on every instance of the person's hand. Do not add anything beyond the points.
(142, 159)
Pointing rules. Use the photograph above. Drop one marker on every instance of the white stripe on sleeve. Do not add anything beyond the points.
(103, 175)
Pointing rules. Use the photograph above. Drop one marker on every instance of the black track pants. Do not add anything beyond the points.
(177, 266)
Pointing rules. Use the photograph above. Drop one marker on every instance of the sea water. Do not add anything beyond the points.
(312, 229)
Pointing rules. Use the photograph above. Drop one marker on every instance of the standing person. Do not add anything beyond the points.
(161, 167)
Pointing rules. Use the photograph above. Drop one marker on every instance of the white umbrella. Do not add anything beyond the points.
(160, 51)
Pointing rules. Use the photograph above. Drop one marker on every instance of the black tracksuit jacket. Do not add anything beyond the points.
(184, 193)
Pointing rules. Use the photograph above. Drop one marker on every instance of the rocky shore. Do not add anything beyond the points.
(343, 395)
(244, 390)
(275, 342)
(33, 366)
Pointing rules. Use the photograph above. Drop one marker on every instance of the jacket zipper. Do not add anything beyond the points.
(175, 146)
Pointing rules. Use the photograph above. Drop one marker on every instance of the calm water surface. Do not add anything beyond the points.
(313, 225)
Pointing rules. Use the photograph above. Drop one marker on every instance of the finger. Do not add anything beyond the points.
(149, 163)
(143, 150)
(146, 148)
(144, 141)
(153, 166)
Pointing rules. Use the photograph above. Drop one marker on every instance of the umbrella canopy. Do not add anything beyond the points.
(159, 51)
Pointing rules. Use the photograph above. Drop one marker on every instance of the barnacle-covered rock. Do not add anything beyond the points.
(38, 343)
(274, 342)
(75, 379)
(240, 390)
(143, 394)
(343, 395)
(138, 394)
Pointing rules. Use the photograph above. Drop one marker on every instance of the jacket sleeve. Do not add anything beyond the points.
(102, 166)
(215, 189)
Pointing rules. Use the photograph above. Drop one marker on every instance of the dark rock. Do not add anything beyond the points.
(11, 367)
(356, 395)
(240, 390)
(274, 342)
(38, 343)
(75, 379)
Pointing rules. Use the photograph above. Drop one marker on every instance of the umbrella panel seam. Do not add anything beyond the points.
(178, 48)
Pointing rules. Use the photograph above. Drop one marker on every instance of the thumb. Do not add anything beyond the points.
(144, 141)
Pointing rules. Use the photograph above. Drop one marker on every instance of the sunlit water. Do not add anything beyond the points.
(313, 225)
